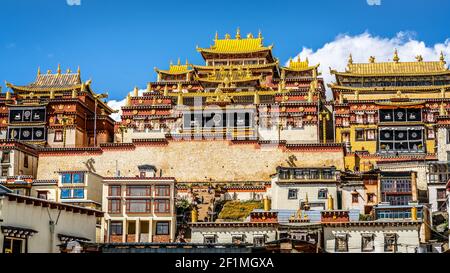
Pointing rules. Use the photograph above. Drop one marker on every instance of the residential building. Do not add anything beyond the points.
(292, 188)
(139, 208)
(359, 190)
(17, 158)
(34, 225)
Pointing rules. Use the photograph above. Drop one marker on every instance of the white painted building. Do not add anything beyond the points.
(33, 225)
(292, 188)
(372, 237)
(256, 234)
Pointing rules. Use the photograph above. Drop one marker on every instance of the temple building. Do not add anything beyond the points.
(56, 110)
(241, 91)
(385, 113)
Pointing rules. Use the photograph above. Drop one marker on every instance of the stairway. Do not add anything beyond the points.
(208, 201)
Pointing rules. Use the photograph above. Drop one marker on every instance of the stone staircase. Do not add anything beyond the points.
(208, 201)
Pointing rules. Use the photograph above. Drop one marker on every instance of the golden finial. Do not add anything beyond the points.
(250, 36)
(419, 58)
(74, 94)
(399, 94)
(49, 71)
(149, 87)
(290, 61)
(371, 59)
(68, 71)
(217, 36)
(259, 34)
(396, 58)
(187, 63)
(179, 61)
(350, 59)
(442, 111)
(8, 95)
(442, 59)
(166, 91)
(128, 100)
(238, 33)
(78, 70)
(298, 58)
(58, 70)
(39, 71)
(136, 91)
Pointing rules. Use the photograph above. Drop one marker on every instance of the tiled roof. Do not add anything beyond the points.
(396, 68)
(56, 80)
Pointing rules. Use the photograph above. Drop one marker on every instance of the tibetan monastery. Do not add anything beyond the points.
(386, 111)
(241, 92)
(56, 110)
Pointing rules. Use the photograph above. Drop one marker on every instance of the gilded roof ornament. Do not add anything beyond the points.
(78, 70)
(227, 36)
(259, 34)
(68, 71)
(52, 94)
(372, 59)
(39, 71)
(128, 100)
(58, 70)
(419, 58)
(350, 59)
(136, 91)
(74, 94)
(166, 90)
(250, 36)
(217, 36)
(396, 58)
(238, 33)
(8, 95)
(442, 59)
(49, 72)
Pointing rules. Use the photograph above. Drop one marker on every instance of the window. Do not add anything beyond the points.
(359, 134)
(162, 206)
(359, 118)
(370, 197)
(341, 243)
(370, 118)
(210, 239)
(441, 194)
(323, 194)
(355, 198)
(58, 136)
(42, 195)
(5, 157)
(292, 193)
(138, 206)
(370, 134)
(142, 174)
(77, 178)
(162, 190)
(78, 193)
(259, 240)
(114, 206)
(367, 242)
(13, 245)
(5, 170)
(25, 161)
(162, 228)
(430, 133)
(66, 178)
(66, 193)
(401, 139)
(237, 239)
(390, 242)
(138, 191)
(116, 228)
(115, 190)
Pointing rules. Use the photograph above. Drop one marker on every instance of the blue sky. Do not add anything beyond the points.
(117, 43)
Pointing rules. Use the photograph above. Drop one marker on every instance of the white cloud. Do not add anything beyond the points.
(117, 105)
(335, 54)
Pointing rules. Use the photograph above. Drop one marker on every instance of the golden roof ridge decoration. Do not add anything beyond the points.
(176, 69)
(237, 45)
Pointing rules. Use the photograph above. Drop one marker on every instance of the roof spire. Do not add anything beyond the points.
(59, 69)
(78, 70)
(259, 34)
(298, 58)
(350, 59)
(187, 61)
(238, 33)
(217, 36)
(135, 92)
(39, 70)
(396, 58)
(179, 61)
(371, 59)
(442, 59)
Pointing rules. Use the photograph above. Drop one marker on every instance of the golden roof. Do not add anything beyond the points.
(299, 65)
(237, 45)
(396, 67)
(175, 69)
